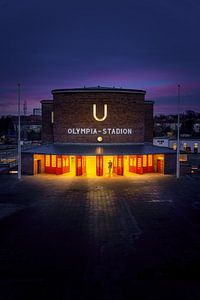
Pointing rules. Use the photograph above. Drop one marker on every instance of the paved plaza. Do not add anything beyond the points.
(105, 238)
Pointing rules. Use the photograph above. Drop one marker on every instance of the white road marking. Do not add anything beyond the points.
(160, 200)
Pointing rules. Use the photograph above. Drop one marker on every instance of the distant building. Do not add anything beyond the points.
(31, 127)
(189, 145)
(37, 111)
(166, 125)
(197, 127)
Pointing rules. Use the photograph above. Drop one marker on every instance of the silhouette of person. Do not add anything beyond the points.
(110, 167)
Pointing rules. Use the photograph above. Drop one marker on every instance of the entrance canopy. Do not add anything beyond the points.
(99, 149)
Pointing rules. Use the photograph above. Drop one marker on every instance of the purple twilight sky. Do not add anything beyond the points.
(145, 44)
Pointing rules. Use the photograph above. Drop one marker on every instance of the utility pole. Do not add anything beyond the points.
(19, 133)
(178, 137)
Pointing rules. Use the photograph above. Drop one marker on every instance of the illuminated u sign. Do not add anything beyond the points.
(95, 113)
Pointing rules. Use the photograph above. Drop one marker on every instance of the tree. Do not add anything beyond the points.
(187, 126)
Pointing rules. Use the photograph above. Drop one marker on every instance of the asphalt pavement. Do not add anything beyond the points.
(102, 238)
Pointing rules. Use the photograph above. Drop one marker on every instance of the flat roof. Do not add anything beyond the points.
(101, 149)
(98, 89)
(181, 138)
(46, 101)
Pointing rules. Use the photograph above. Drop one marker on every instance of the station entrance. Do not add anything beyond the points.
(98, 165)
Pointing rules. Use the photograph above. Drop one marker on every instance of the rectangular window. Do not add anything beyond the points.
(52, 117)
(63, 162)
(185, 146)
(196, 147)
(119, 163)
(47, 160)
(139, 162)
(144, 160)
(79, 163)
(183, 157)
(150, 160)
(67, 161)
(59, 162)
(53, 161)
(174, 146)
(134, 162)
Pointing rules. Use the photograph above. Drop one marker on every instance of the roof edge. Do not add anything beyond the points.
(149, 102)
(46, 101)
(98, 90)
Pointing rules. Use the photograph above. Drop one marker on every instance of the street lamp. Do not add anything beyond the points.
(178, 138)
(19, 135)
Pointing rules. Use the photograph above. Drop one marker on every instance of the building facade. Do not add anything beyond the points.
(37, 111)
(188, 145)
(98, 132)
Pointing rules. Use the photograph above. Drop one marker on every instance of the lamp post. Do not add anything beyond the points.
(178, 138)
(19, 134)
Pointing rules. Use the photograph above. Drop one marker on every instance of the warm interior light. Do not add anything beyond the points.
(150, 160)
(160, 157)
(91, 165)
(99, 151)
(53, 161)
(144, 160)
(52, 117)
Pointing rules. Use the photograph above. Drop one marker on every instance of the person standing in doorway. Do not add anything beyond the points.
(110, 167)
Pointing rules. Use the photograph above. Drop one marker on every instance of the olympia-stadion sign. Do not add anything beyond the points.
(103, 131)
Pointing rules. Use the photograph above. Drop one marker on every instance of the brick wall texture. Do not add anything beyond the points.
(47, 126)
(75, 110)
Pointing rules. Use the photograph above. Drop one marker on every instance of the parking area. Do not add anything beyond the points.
(72, 238)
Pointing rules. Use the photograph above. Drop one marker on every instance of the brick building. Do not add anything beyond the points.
(98, 132)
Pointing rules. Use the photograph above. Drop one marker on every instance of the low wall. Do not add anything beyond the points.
(27, 164)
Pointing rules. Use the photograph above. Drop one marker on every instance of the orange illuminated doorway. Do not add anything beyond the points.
(99, 165)
(80, 165)
(118, 165)
(132, 163)
(39, 166)
(139, 165)
(56, 164)
(160, 166)
(159, 163)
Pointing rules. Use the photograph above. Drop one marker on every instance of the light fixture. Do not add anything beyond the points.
(99, 139)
